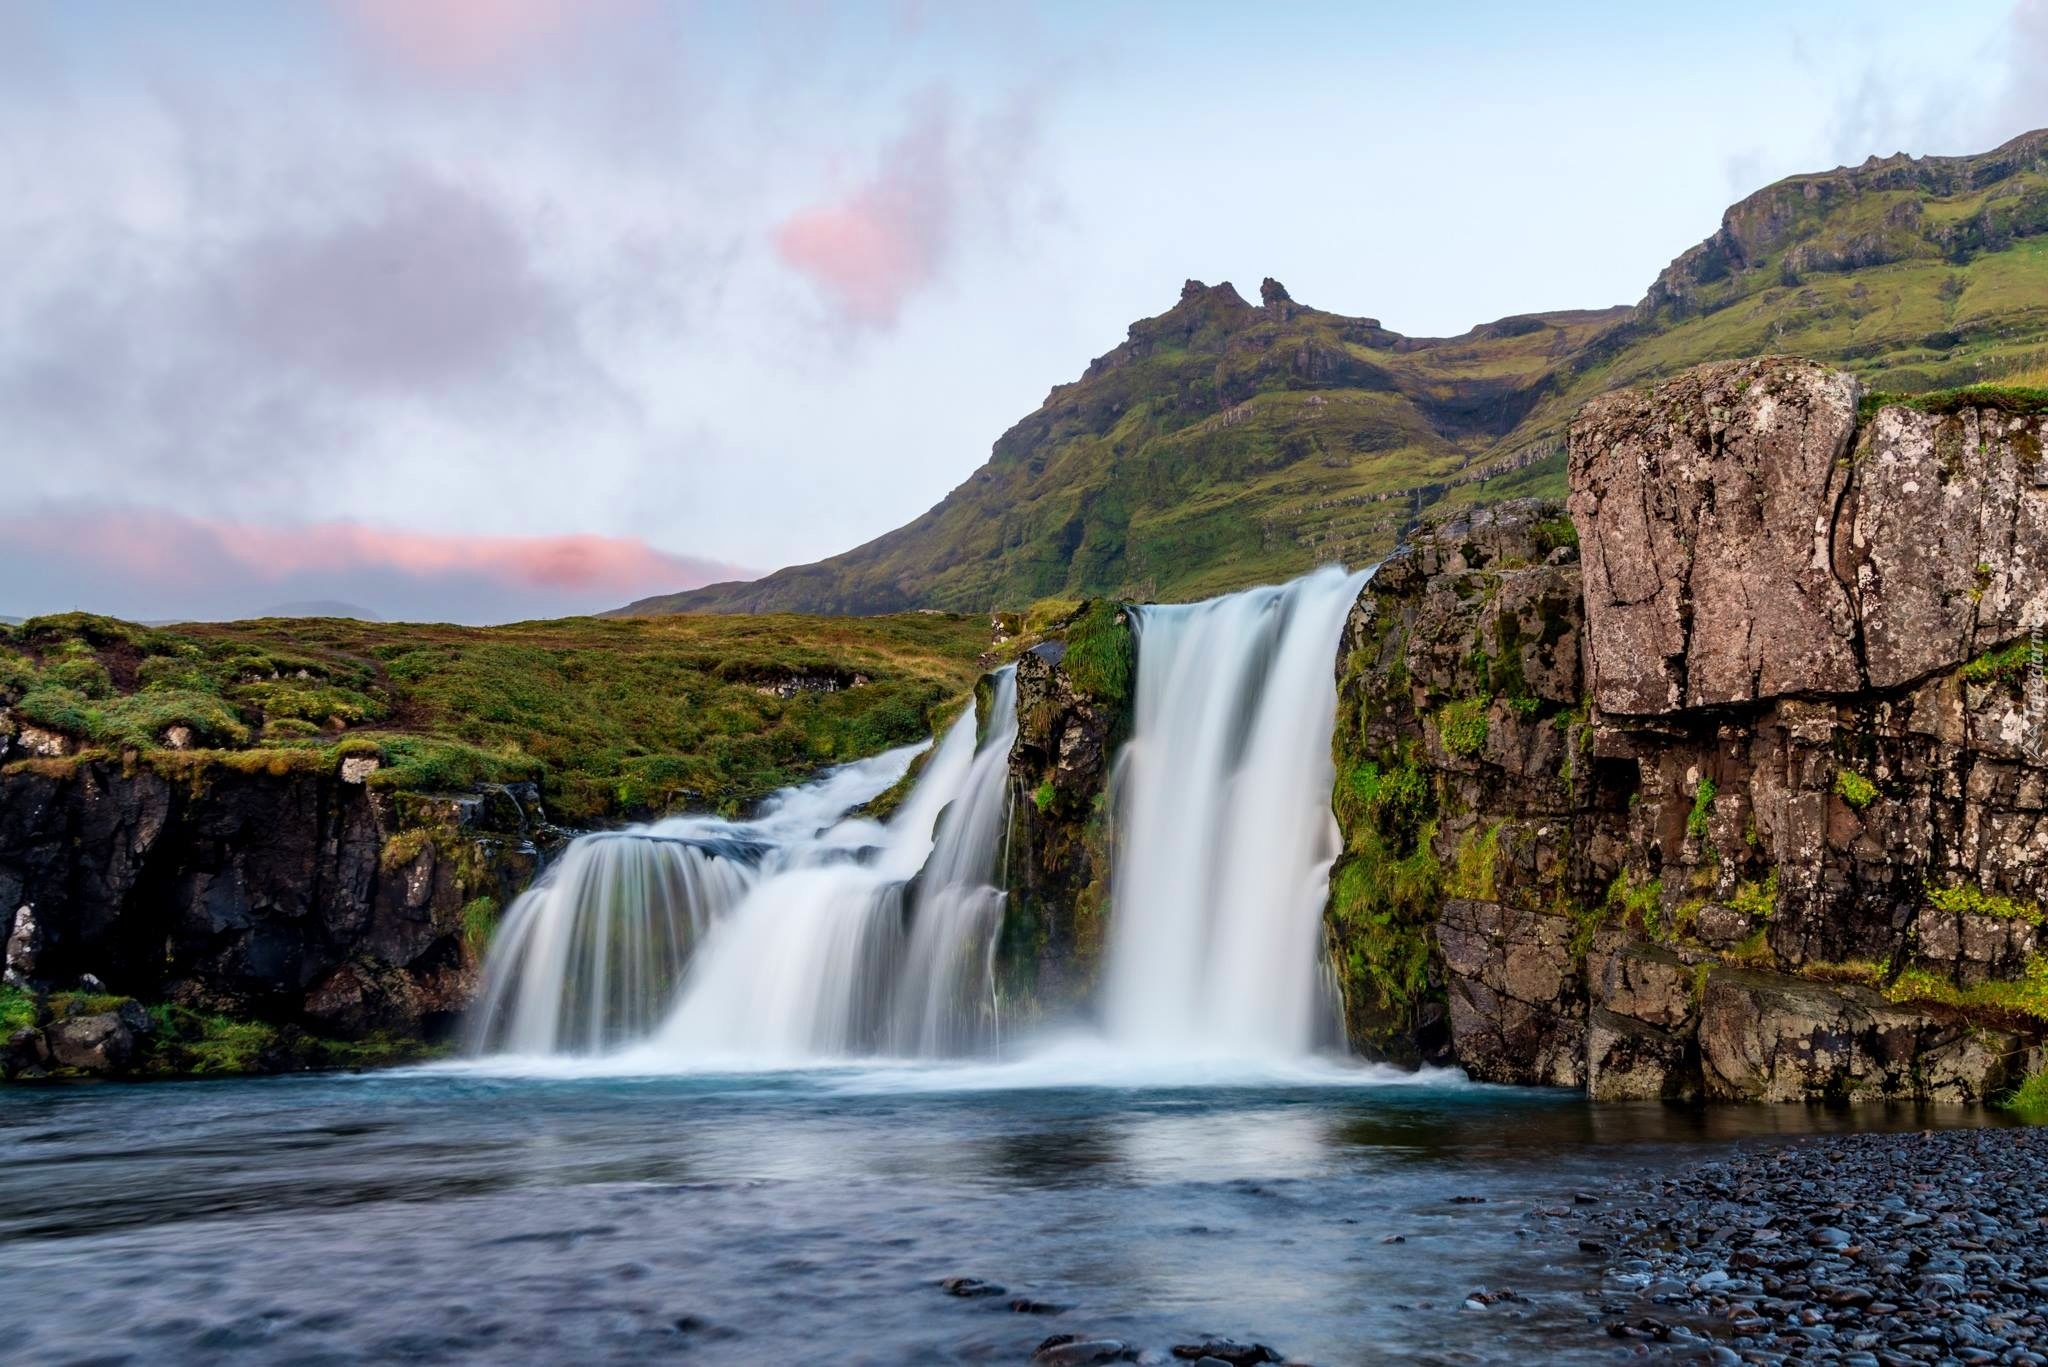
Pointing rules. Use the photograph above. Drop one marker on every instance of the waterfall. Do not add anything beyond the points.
(804, 932)
(1224, 832)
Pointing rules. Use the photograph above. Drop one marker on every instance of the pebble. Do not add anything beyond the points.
(1867, 1250)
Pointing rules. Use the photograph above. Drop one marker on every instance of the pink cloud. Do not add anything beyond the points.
(578, 562)
(868, 251)
(466, 37)
(169, 565)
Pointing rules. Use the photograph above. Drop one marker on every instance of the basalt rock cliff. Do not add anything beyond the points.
(1729, 780)
(225, 920)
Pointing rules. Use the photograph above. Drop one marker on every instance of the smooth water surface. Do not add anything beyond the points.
(457, 1216)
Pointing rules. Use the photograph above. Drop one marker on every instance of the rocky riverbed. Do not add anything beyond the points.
(1869, 1250)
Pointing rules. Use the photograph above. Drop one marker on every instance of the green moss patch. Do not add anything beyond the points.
(1974, 901)
(1854, 789)
(1462, 726)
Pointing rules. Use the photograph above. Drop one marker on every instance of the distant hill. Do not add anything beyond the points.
(1227, 443)
(320, 607)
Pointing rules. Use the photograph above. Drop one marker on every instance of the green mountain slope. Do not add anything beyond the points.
(1226, 443)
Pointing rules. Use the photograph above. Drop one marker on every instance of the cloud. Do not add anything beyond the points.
(153, 564)
(426, 283)
(871, 249)
(245, 350)
(2023, 106)
(470, 37)
(1899, 109)
(868, 250)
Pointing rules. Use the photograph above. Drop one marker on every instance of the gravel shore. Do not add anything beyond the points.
(1871, 1250)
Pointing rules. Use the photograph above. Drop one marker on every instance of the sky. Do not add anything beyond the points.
(481, 310)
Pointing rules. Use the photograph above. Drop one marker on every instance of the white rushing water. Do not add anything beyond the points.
(802, 933)
(1224, 831)
(807, 936)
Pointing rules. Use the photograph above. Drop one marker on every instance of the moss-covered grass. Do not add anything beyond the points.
(2007, 665)
(612, 717)
(2030, 1099)
(1462, 725)
(189, 1043)
(1102, 654)
(1387, 885)
(1974, 901)
(2025, 997)
(1702, 813)
(1638, 904)
(1758, 901)
(479, 919)
(1854, 789)
(17, 1010)
(2011, 400)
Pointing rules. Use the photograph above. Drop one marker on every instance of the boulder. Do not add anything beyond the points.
(1517, 1005)
(1627, 1060)
(100, 1043)
(26, 1054)
(1768, 1037)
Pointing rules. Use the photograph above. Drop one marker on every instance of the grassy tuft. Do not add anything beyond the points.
(17, 1010)
(1702, 812)
(1462, 724)
(1973, 900)
(1854, 789)
(1102, 655)
(2030, 1099)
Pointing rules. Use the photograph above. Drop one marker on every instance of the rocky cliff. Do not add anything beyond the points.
(1732, 783)
(224, 918)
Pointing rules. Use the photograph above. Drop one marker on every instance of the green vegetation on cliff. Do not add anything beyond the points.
(1227, 443)
(610, 717)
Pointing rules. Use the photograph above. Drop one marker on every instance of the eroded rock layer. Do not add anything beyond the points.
(1732, 784)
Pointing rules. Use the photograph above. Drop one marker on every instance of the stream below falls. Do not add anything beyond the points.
(468, 1216)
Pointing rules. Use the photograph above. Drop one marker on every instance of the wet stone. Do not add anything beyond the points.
(1863, 1248)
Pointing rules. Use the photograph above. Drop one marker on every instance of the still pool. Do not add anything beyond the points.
(1342, 1216)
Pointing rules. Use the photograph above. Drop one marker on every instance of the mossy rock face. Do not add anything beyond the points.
(1075, 694)
(1459, 733)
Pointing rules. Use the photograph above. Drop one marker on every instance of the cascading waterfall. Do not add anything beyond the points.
(808, 934)
(801, 933)
(1225, 835)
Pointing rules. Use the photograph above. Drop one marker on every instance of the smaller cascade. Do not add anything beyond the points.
(806, 932)
(590, 957)
(887, 954)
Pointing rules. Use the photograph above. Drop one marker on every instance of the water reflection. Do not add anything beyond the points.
(798, 1218)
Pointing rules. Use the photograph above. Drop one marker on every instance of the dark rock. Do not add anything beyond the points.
(246, 894)
(92, 1044)
(970, 1287)
(26, 1055)
(1227, 1350)
(1069, 1350)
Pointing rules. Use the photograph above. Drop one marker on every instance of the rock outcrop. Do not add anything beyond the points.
(1736, 784)
(307, 901)
(1072, 713)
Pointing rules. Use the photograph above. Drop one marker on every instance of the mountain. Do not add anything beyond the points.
(320, 607)
(1227, 443)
